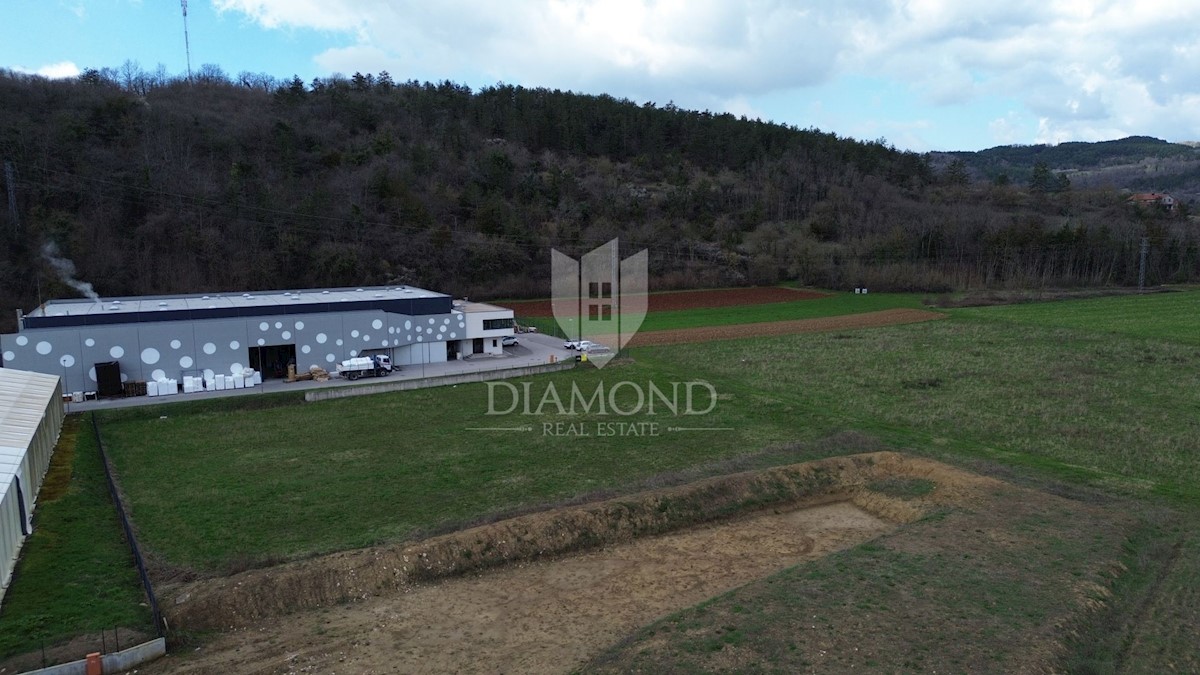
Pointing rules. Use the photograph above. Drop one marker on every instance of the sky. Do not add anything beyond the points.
(922, 74)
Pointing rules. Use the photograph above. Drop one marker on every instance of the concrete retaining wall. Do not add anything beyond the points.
(460, 378)
(117, 662)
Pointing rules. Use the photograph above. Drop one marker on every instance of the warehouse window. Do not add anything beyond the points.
(497, 324)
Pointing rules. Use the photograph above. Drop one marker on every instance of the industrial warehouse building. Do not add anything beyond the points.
(97, 345)
(31, 417)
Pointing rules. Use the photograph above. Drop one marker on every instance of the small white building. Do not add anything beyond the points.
(486, 326)
(31, 417)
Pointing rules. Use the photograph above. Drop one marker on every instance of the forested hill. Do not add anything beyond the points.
(1138, 163)
(154, 185)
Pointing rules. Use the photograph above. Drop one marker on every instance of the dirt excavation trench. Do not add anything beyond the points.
(542, 617)
(551, 611)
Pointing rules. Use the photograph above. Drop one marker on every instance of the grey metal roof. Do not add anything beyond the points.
(254, 299)
(471, 307)
(23, 397)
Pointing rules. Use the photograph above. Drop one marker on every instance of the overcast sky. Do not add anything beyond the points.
(924, 74)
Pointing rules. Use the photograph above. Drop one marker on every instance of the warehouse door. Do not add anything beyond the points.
(477, 346)
(272, 360)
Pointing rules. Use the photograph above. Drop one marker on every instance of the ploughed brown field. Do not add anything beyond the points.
(678, 300)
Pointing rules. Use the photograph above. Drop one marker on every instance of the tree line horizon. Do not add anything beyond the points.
(153, 184)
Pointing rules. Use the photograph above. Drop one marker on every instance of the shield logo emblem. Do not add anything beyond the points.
(600, 298)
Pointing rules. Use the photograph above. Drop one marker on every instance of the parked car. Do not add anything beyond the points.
(580, 345)
(509, 341)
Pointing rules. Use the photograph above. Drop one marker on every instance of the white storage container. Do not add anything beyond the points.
(152, 388)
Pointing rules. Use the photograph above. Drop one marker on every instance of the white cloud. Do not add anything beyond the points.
(741, 107)
(348, 60)
(1085, 68)
(905, 135)
(1008, 130)
(319, 14)
(53, 71)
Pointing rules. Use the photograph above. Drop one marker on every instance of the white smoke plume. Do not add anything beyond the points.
(66, 270)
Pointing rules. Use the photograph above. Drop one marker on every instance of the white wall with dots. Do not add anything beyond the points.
(172, 349)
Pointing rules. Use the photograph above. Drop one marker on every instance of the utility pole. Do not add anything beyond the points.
(10, 179)
(1142, 264)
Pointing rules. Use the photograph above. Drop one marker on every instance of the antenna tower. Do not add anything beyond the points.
(187, 48)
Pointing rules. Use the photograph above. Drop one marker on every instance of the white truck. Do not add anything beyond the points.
(365, 366)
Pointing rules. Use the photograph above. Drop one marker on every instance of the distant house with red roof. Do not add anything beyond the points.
(1149, 199)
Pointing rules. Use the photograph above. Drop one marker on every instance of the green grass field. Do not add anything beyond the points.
(1075, 391)
(75, 575)
(1173, 316)
(1109, 409)
(836, 304)
(912, 600)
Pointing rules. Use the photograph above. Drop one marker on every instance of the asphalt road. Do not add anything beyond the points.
(532, 349)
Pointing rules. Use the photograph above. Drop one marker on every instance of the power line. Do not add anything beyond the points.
(1142, 263)
(10, 179)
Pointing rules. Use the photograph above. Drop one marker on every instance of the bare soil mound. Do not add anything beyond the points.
(355, 575)
(887, 317)
(538, 617)
(432, 607)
